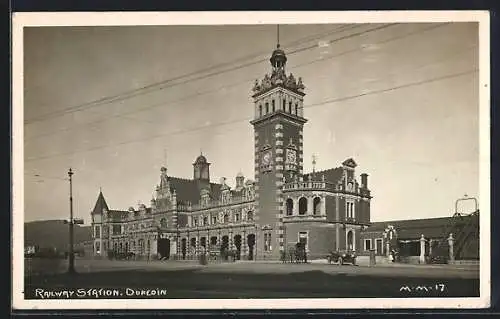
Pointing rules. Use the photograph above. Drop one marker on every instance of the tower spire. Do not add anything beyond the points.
(278, 36)
(314, 163)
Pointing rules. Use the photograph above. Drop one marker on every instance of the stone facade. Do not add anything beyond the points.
(258, 218)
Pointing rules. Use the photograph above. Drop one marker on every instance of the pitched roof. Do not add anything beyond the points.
(350, 163)
(100, 204)
(332, 175)
(118, 215)
(188, 190)
(414, 228)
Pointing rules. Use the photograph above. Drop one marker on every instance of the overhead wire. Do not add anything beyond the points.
(124, 114)
(158, 85)
(435, 79)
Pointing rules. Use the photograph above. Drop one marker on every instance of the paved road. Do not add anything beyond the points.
(242, 267)
(264, 280)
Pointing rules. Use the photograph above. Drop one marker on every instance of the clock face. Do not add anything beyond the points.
(291, 156)
(266, 158)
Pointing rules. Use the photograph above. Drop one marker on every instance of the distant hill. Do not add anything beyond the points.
(53, 233)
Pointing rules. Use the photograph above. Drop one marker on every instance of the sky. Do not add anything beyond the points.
(402, 100)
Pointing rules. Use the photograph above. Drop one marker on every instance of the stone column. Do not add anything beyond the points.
(387, 248)
(231, 241)
(295, 211)
(430, 247)
(323, 206)
(310, 205)
(244, 245)
(422, 249)
(451, 241)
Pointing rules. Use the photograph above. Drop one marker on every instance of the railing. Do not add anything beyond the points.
(305, 217)
(308, 185)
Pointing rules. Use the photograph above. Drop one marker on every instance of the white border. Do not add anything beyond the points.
(21, 20)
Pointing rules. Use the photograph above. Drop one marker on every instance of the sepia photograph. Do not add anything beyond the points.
(251, 160)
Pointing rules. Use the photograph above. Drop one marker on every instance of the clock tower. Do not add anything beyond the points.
(278, 124)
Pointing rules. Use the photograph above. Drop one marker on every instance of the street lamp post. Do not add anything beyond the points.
(71, 268)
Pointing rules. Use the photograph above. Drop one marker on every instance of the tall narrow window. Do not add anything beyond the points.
(274, 107)
(260, 110)
(267, 108)
(290, 107)
(284, 104)
(296, 109)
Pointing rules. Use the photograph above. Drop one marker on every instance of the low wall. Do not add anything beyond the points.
(365, 260)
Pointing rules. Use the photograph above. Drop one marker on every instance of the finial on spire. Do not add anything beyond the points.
(278, 33)
(314, 162)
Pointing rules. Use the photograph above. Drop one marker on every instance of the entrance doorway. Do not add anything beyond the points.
(251, 245)
(350, 240)
(237, 244)
(379, 247)
(183, 248)
(164, 248)
(224, 247)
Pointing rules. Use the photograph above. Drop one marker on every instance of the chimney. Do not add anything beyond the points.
(364, 180)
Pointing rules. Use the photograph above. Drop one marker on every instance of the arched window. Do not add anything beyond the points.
(289, 207)
(267, 108)
(316, 206)
(193, 242)
(163, 223)
(302, 206)
(290, 107)
(274, 107)
(205, 221)
(250, 216)
(226, 218)
(284, 105)
(260, 110)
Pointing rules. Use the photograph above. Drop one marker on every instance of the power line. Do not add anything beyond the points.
(123, 115)
(144, 89)
(250, 118)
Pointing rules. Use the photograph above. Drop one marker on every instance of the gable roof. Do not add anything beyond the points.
(350, 163)
(100, 204)
(118, 215)
(414, 228)
(188, 190)
(332, 175)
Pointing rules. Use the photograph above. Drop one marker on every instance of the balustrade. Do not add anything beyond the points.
(308, 185)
